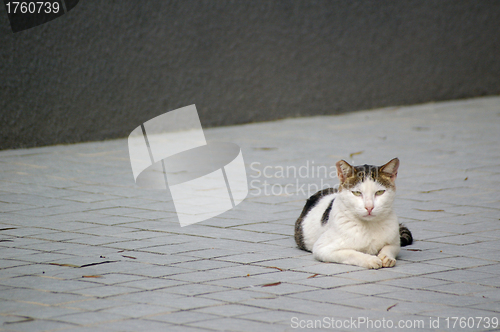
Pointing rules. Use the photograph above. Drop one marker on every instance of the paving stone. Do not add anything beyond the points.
(270, 316)
(240, 282)
(461, 262)
(223, 273)
(152, 283)
(326, 295)
(203, 265)
(492, 281)
(41, 312)
(93, 304)
(147, 297)
(195, 289)
(421, 256)
(238, 295)
(304, 306)
(105, 291)
(461, 288)
(288, 263)
(414, 282)
(235, 324)
(415, 307)
(492, 294)
(288, 276)
(140, 310)
(188, 303)
(154, 271)
(134, 325)
(250, 258)
(283, 288)
(371, 289)
(211, 253)
(459, 275)
(36, 325)
(89, 318)
(183, 317)
(12, 264)
(492, 269)
(230, 310)
(372, 275)
(326, 281)
(328, 269)
(366, 302)
(490, 307)
(113, 278)
(186, 328)
(41, 297)
(435, 297)
(418, 268)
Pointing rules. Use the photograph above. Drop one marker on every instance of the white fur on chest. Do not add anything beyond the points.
(346, 232)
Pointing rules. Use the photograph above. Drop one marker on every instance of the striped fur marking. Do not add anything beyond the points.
(326, 215)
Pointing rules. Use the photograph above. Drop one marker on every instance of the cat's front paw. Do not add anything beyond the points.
(387, 261)
(373, 262)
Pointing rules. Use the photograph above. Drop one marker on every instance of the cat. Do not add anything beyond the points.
(355, 224)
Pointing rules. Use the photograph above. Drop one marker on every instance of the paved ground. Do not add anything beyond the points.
(83, 249)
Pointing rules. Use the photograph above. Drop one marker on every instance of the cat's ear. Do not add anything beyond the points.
(391, 168)
(344, 170)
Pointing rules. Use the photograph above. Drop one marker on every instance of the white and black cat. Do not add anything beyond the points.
(355, 224)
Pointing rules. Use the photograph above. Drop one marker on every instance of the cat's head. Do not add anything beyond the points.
(368, 191)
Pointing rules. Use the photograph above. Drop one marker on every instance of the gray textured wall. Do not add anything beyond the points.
(106, 66)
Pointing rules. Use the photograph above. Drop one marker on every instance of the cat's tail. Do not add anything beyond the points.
(405, 235)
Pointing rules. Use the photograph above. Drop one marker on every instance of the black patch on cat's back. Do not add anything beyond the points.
(311, 202)
(326, 215)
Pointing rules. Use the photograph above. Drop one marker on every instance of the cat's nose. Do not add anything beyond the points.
(369, 209)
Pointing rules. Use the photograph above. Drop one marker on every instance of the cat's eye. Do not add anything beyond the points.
(380, 192)
(356, 193)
